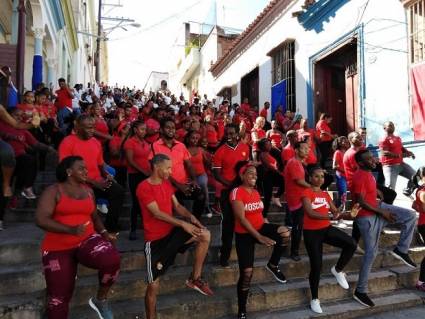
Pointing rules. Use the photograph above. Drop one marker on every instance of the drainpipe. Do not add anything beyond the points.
(20, 54)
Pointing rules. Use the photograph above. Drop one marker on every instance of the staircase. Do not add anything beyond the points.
(22, 282)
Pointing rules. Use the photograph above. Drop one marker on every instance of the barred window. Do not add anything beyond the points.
(416, 13)
(283, 68)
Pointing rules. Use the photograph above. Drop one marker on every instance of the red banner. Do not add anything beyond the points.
(417, 78)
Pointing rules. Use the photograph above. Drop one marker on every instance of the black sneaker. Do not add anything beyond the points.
(275, 271)
(363, 299)
(404, 258)
(408, 191)
(242, 315)
(295, 257)
(224, 263)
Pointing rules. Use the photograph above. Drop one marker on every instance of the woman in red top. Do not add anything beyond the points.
(101, 132)
(117, 158)
(257, 133)
(199, 162)
(275, 136)
(136, 151)
(250, 229)
(211, 133)
(317, 206)
(326, 137)
(340, 145)
(272, 176)
(74, 234)
(419, 206)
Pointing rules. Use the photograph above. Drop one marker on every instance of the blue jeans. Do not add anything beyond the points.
(341, 186)
(202, 181)
(391, 173)
(63, 114)
(370, 228)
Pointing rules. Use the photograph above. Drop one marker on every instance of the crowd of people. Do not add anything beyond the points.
(168, 152)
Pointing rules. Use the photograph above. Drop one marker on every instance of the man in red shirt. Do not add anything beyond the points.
(288, 151)
(372, 218)
(166, 235)
(223, 164)
(350, 164)
(63, 104)
(245, 107)
(295, 185)
(392, 154)
(83, 144)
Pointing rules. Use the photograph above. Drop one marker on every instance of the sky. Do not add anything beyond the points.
(134, 53)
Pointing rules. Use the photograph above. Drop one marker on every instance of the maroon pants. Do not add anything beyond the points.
(60, 269)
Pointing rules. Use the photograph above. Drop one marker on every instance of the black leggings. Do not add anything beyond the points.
(297, 221)
(421, 230)
(134, 180)
(25, 171)
(325, 152)
(245, 249)
(227, 226)
(314, 239)
(271, 179)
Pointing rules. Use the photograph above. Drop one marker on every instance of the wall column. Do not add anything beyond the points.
(37, 62)
(51, 71)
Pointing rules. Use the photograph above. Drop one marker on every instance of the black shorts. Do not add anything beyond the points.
(160, 254)
(245, 244)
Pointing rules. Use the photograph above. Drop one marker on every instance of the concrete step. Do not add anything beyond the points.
(263, 297)
(346, 309)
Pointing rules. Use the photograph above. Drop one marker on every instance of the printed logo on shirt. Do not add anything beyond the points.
(243, 154)
(319, 202)
(250, 207)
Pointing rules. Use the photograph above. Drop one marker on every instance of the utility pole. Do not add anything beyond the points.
(20, 54)
(99, 33)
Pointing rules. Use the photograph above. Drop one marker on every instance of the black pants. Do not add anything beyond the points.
(25, 171)
(314, 239)
(115, 196)
(121, 175)
(227, 226)
(297, 221)
(271, 179)
(325, 149)
(421, 230)
(197, 199)
(134, 180)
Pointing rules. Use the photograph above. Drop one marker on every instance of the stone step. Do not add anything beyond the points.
(346, 309)
(263, 297)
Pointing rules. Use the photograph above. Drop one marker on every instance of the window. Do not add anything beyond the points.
(283, 68)
(416, 13)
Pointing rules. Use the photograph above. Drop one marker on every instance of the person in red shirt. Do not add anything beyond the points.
(295, 185)
(318, 205)
(211, 132)
(166, 235)
(63, 104)
(136, 151)
(340, 146)
(257, 133)
(74, 235)
(245, 107)
(101, 132)
(275, 136)
(326, 137)
(265, 110)
(372, 218)
(224, 162)
(419, 206)
(27, 107)
(83, 144)
(392, 154)
(251, 229)
(116, 154)
(348, 160)
(288, 151)
(181, 132)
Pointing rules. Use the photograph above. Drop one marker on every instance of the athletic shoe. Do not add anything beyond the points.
(363, 299)
(276, 201)
(341, 224)
(1, 225)
(275, 271)
(295, 257)
(315, 306)
(28, 193)
(103, 208)
(242, 315)
(200, 286)
(421, 287)
(404, 258)
(340, 278)
(359, 250)
(408, 191)
(12, 203)
(102, 308)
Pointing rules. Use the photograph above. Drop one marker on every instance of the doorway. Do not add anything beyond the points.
(336, 87)
(249, 88)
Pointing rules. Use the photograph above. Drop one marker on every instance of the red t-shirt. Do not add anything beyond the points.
(19, 145)
(102, 127)
(339, 160)
(270, 160)
(114, 146)
(418, 202)
(211, 134)
(253, 208)
(245, 107)
(260, 135)
(276, 139)
(147, 193)
(288, 152)
(48, 110)
(180, 134)
(71, 212)
(220, 129)
(365, 184)
(263, 113)
(320, 203)
(63, 99)
(90, 150)
(293, 171)
(28, 111)
(392, 144)
(141, 150)
(322, 125)
(198, 163)
(350, 164)
(226, 158)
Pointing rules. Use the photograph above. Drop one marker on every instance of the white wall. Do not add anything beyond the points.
(208, 54)
(385, 74)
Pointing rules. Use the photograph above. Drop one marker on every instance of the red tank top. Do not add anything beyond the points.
(276, 139)
(72, 212)
(418, 202)
(198, 163)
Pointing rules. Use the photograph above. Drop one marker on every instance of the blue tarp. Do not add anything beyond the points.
(278, 96)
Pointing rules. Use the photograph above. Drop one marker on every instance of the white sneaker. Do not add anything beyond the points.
(103, 208)
(341, 224)
(359, 250)
(340, 278)
(315, 306)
